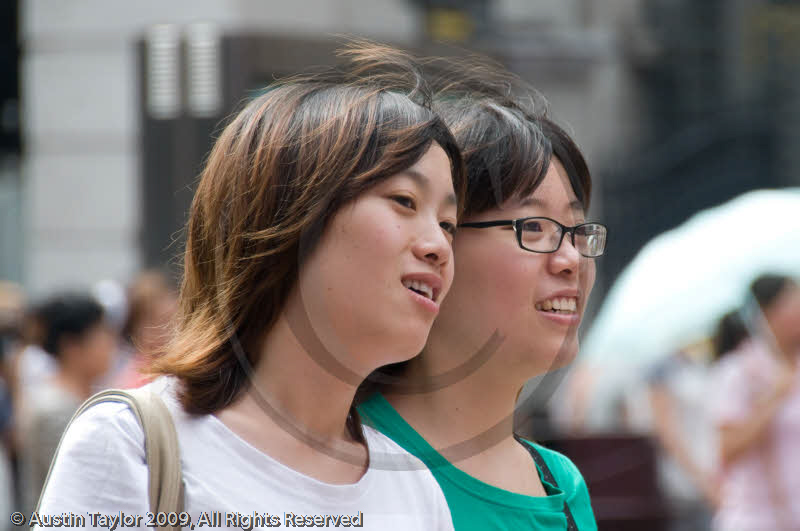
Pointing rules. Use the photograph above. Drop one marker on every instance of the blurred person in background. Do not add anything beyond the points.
(12, 312)
(80, 341)
(152, 303)
(112, 297)
(30, 366)
(729, 334)
(31, 363)
(756, 408)
(678, 392)
(524, 272)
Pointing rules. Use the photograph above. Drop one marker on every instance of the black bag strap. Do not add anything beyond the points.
(548, 476)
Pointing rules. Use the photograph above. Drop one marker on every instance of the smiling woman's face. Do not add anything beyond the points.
(375, 282)
(499, 286)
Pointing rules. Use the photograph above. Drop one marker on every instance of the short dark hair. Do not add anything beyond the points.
(567, 152)
(67, 316)
(506, 138)
(506, 154)
(767, 287)
(730, 332)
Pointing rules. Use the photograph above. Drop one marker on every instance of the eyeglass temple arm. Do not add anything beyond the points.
(484, 224)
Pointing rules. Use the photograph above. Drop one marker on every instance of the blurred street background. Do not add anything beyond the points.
(688, 113)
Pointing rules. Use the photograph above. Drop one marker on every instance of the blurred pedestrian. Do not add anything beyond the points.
(729, 334)
(757, 411)
(678, 392)
(12, 319)
(682, 425)
(148, 328)
(31, 364)
(81, 342)
(12, 312)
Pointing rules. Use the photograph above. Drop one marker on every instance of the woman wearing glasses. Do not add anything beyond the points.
(524, 271)
(318, 249)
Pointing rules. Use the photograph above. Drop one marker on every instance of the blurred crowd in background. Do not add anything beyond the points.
(685, 400)
(57, 352)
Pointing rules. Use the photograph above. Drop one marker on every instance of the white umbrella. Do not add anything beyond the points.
(674, 293)
(684, 280)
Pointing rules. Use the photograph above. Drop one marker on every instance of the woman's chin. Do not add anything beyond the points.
(545, 358)
(399, 348)
(564, 357)
(411, 351)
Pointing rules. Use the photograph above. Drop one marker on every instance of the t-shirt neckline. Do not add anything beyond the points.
(391, 418)
(286, 476)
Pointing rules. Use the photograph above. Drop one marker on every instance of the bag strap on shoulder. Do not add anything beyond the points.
(162, 451)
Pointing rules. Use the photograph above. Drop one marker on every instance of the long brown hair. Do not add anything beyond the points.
(277, 174)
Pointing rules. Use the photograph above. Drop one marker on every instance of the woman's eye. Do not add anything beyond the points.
(448, 227)
(532, 226)
(404, 201)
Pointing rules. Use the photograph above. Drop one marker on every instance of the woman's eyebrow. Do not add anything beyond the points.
(418, 177)
(535, 202)
(422, 180)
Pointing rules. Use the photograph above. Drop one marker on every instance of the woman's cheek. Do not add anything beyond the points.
(587, 275)
(515, 283)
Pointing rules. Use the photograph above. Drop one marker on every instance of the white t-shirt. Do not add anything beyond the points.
(101, 469)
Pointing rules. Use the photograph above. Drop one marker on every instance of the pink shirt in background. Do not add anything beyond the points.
(747, 502)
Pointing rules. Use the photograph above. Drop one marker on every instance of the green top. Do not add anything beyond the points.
(475, 505)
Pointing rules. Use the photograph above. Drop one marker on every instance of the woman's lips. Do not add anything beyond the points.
(562, 307)
(571, 318)
(424, 301)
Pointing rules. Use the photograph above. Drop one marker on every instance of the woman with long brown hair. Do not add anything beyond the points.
(318, 249)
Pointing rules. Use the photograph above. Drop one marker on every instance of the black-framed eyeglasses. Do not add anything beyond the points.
(544, 235)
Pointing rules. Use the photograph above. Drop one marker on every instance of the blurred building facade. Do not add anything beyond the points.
(678, 105)
(10, 208)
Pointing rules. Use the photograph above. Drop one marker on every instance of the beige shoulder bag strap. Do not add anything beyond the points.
(160, 444)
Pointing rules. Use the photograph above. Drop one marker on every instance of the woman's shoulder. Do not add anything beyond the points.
(564, 471)
(570, 480)
(404, 476)
(101, 460)
(102, 427)
(110, 424)
(386, 454)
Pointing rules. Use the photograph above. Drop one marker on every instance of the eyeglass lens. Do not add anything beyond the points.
(544, 235)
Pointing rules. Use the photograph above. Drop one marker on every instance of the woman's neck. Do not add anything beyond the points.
(471, 420)
(478, 407)
(296, 411)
